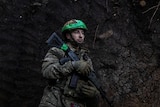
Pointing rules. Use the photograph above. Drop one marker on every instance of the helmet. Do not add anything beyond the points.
(73, 24)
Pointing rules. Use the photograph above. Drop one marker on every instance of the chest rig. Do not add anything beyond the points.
(71, 91)
(65, 82)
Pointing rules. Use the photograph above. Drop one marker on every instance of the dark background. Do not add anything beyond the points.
(123, 38)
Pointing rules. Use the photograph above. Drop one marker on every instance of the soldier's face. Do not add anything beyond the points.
(78, 35)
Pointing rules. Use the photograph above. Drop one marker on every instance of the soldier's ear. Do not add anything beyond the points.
(68, 36)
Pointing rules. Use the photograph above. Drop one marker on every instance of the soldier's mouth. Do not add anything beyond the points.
(80, 40)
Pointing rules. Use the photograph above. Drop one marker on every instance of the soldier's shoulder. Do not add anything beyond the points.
(84, 49)
(55, 50)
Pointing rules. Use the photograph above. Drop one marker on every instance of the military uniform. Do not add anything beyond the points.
(58, 93)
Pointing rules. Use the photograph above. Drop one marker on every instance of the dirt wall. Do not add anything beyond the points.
(123, 38)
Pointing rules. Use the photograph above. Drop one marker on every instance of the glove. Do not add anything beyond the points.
(82, 67)
(89, 91)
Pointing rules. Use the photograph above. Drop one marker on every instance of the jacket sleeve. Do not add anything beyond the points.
(51, 67)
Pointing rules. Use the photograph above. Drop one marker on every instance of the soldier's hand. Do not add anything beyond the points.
(82, 67)
(89, 91)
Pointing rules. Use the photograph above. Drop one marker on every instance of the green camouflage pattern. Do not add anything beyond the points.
(60, 95)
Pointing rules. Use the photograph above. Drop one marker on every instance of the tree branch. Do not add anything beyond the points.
(154, 14)
(95, 36)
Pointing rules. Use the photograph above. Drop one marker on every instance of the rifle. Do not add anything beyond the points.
(55, 41)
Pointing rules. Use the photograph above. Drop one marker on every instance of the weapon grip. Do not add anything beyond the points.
(64, 60)
(73, 81)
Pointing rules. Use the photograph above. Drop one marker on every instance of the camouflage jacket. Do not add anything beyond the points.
(53, 70)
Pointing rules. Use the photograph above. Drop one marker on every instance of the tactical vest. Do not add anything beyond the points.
(63, 83)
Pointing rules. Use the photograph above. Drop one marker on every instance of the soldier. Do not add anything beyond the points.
(58, 93)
